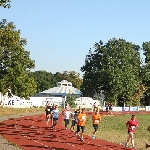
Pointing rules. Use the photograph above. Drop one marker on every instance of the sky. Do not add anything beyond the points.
(59, 33)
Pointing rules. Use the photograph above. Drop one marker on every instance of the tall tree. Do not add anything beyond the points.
(146, 72)
(5, 3)
(15, 62)
(114, 68)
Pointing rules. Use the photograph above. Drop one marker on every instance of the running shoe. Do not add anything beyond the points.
(126, 145)
(146, 145)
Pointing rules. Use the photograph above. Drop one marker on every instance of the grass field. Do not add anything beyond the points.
(13, 111)
(113, 129)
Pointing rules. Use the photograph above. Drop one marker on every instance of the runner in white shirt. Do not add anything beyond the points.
(67, 114)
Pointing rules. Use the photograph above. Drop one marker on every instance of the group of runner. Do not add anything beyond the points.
(79, 119)
(52, 114)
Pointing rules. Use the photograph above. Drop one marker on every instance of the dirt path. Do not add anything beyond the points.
(31, 133)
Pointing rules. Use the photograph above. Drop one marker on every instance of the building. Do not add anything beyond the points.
(63, 88)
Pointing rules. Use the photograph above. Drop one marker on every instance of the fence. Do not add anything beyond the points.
(131, 108)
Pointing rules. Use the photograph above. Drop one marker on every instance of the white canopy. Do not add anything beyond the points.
(63, 87)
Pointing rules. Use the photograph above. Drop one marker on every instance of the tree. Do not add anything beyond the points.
(145, 72)
(71, 76)
(44, 80)
(114, 68)
(70, 99)
(15, 62)
(5, 3)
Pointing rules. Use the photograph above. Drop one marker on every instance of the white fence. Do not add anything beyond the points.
(85, 102)
(134, 108)
(16, 102)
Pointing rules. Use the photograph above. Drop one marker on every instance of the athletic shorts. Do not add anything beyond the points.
(55, 119)
(131, 132)
(95, 126)
(73, 122)
(80, 127)
(66, 121)
(48, 113)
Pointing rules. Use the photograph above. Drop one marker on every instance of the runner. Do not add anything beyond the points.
(74, 116)
(67, 106)
(51, 118)
(81, 124)
(55, 114)
(48, 112)
(67, 114)
(131, 125)
(96, 118)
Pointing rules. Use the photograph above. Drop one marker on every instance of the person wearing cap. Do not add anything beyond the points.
(132, 124)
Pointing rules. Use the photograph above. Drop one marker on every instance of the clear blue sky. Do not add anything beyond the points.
(61, 32)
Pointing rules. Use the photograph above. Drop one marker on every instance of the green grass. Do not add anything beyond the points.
(113, 129)
(13, 111)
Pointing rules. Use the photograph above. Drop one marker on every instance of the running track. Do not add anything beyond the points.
(31, 133)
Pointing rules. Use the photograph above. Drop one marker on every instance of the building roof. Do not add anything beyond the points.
(63, 87)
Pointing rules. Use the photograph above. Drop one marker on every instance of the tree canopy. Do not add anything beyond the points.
(15, 62)
(5, 3)
(114, 67)
(46, 80)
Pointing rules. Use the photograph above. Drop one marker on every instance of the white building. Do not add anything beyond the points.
(63, 88)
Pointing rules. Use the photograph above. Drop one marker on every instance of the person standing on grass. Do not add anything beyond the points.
(96, 118)
(110, 106)
(81, 124)
(55, 114)
(48, 112)
(67, 114)
(107, 107)
(131, 125)
(94, 107)
(74, 116)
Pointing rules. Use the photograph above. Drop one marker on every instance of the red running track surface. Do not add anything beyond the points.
(32, 133)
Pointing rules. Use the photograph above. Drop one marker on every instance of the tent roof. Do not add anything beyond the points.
(63, 87)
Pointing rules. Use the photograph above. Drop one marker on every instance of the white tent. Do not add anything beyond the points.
(64, 87)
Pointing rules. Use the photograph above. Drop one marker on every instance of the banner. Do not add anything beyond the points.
(142, 108)
(147, 108)
(125, 108)
(117, 109)
(133, 108)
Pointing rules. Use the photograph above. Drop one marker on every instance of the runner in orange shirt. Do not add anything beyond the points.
(96, 118)
(81, 121)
